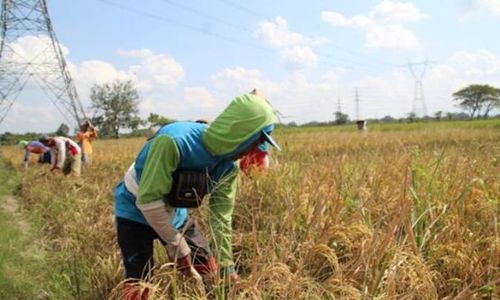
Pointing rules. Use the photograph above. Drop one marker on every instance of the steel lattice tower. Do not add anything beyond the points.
(419, 107)
(25, 19)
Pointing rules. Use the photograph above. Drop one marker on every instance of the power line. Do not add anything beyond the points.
(244, 9)
(328, 59)
(182, 25)
(202, 14)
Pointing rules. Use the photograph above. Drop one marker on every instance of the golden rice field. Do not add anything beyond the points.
(341, 215)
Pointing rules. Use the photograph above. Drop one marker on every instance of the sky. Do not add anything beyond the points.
(189, 59)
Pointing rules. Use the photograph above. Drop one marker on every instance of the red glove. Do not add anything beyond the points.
(210, 266)
(134, 292)
(185, 266)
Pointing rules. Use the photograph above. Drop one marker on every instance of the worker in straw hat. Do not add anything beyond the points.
(181, 163)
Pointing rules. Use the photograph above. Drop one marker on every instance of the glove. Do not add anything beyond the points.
(134, 292)
(185, 266)
(231, 274)
(210, 266)
(209, 271)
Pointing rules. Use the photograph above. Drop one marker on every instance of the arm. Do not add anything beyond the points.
(221, 207)
(156, 181)
(59, 154)
(93, 133)
(79, 137)
(26, 158)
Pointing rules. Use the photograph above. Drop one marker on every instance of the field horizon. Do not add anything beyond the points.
(403, 211)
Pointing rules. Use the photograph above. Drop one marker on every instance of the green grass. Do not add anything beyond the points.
(21, 263)
(12, 285)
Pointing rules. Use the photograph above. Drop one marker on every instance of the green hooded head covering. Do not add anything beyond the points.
(245, 116)
(23, 144)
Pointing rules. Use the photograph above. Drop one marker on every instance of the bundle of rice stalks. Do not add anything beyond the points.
(163, 283)
(342, 289)
(107, 273)
(455, 264)
(348, 241)
(407, 277)
(321, 263)
(276, 281)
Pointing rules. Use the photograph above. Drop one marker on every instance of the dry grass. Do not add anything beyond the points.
(406, 215)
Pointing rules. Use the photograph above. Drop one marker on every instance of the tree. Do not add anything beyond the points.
(341, 118)
(476, 98)
(63, 130)
(411, 117)
(115, 106)
(387, 119)
(438, 115)
(157, 120)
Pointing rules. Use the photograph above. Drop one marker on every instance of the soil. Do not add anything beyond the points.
(9, 204)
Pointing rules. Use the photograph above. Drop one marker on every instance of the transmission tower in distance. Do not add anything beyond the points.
(419, 107)
(22, 22)
(360, 123)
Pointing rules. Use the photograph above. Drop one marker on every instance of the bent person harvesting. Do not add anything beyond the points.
(173, 171)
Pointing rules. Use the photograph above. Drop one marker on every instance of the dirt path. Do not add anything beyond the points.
(9, 204)
(20, 261)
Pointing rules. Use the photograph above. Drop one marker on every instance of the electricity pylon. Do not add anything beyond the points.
(419, 107)
(23, 21)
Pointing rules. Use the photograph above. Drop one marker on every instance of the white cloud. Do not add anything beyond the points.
(383, 26)
(237, 79)
(299, 97)
(492, 6)
(295, 48)
(303, 99)
(299, 57)
(391, 12)
(156, 70)
(277, 34)
(199, 97)
(296, 97)
(153, 75)
(395, 91)
(481, 7)
(28, 117)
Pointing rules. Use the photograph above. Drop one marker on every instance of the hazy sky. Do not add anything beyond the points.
(188, 59)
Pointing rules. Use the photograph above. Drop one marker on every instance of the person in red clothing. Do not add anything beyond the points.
(66, 155)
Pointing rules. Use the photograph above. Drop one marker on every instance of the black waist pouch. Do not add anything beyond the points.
(188, 189)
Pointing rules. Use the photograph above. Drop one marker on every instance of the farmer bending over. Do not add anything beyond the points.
(65, 154)
(170, 174)
(32, 147)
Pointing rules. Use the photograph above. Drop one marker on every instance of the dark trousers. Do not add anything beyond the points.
(136, 244)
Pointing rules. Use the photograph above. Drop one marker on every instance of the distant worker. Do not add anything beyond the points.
(65, 153)
(173, 171)
(34, 147)
(85, 137)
